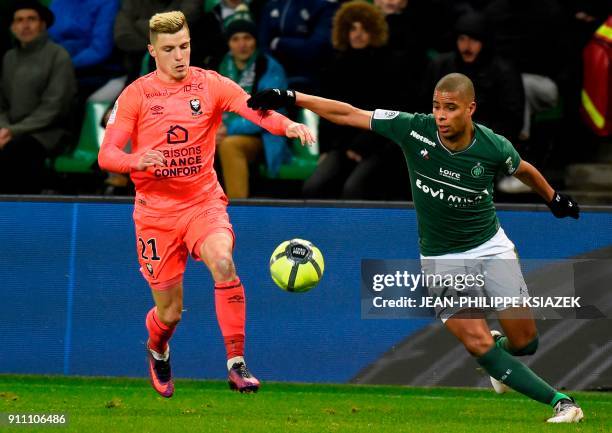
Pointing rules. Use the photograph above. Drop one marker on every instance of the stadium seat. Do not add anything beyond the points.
(304, 159)
(82, 158)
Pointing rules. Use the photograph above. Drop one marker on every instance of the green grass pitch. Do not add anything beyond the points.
(130, 405)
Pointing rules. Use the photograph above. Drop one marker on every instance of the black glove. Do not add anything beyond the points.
(272, 99)
(563, 206)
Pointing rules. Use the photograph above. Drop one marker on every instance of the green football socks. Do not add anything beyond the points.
(505, 368)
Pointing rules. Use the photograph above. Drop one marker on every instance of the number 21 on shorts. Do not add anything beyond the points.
(143, 249)
(146, 248)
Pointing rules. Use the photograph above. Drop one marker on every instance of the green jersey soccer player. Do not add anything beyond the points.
(452, 163)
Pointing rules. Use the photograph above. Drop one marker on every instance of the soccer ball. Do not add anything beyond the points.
(296, 265)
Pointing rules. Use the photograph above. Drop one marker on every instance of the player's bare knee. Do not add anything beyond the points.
(478, 347)
(170, 317)
(478, 344)
(223, 267)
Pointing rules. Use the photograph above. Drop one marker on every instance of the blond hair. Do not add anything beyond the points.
(166, 22)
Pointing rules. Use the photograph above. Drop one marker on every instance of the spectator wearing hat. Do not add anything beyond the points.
(37, 90)
(498, 84)
(209, 43)
(353, 161)
(239, 141)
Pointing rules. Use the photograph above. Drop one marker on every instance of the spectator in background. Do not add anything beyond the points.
(405, 19)
(85, 29)
(408, 42)
(297, 33)
(352, 160)
(532, 35)
(131, 31)
(446, 13)
(239, 141)
(583, 18)
(37, 90)
(498, 84)
(209, 40)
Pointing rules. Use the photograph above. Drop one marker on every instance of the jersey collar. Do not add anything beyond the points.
(452, 153)
(175, 84)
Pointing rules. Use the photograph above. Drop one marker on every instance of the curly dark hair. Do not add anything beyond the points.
(370, 17)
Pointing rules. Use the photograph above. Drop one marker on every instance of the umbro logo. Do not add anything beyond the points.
(157, 110)
(236, 299)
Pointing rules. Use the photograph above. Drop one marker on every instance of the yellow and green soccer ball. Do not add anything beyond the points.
(296, 265)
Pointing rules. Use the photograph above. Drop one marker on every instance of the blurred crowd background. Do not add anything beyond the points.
(541, 69)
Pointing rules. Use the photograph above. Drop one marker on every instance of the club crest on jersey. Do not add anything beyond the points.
(477, 170)
(195, 107)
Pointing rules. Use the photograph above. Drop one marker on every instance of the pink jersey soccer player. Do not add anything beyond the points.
(171, 116)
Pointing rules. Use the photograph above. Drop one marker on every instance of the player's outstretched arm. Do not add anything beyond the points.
(277, 124)
(231, 97)
(113, 158)
(334, 111)
(560, 205)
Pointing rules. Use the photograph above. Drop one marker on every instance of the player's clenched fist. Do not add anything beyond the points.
(298, 130)
(149, 159)
(271, 99)
(563, 206)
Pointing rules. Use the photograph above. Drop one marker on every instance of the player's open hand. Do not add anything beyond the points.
(301, 131)
(149, 159)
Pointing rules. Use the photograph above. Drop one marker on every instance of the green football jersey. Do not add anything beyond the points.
(452, 191)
